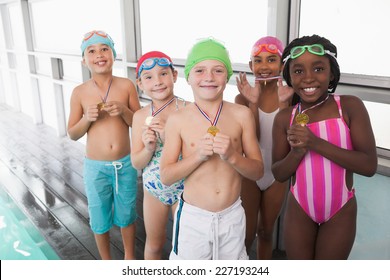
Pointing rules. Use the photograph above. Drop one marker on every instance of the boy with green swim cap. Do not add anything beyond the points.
(103, 108)
(212, 136)
(208, 49)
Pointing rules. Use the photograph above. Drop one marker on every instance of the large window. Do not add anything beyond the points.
(355, 27)
(359, 29)
(58, 26)
(174, 26)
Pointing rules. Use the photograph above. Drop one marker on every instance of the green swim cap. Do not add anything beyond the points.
(208, 49)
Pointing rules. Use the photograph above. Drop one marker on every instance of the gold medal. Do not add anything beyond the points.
(148, 120)
(213, 130)
(302, 118)
(100, 106)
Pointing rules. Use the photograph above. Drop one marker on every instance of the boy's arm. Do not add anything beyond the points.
(249, 163)
(140, 154)
(133, 106)
(78, 123)
(240, 99)
(171, 169)
(115, 108)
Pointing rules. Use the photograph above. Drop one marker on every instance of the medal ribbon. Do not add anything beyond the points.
(108, 90)
(213, 123)
(318, 104)
(154, 113)
(266, 79)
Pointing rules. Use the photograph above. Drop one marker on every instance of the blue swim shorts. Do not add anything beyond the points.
(111, 189)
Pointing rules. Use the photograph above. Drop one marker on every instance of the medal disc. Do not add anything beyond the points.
(148, 120)
(302, 118)
(100, 106)
(213, 130)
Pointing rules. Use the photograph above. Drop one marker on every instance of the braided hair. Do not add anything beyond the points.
(310, 40)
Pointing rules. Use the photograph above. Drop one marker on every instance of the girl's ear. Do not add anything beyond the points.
(175, 74)
(250, 65)
(330, 86)
(139, 83)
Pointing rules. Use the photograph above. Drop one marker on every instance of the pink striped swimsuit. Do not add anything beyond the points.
(320, 187)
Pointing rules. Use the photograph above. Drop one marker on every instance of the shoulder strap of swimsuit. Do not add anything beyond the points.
(337, 99)
(293, 114)
(177, 103)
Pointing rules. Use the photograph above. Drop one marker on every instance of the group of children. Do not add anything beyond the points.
(223, 168)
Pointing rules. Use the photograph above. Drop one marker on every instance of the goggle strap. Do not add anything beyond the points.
(331, 54)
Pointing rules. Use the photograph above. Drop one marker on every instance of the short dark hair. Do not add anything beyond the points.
(310, 40)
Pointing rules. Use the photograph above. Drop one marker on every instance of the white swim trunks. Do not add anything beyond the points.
(203, 235)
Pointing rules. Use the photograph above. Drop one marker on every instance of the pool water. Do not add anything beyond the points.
(372, 240)
(19, 238)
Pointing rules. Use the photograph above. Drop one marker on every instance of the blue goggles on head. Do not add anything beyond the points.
(151, 62)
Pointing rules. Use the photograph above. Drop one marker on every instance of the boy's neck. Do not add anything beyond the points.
(100, 80)
(208, 105)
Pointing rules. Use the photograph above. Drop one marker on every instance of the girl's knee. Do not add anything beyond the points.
(266, 235)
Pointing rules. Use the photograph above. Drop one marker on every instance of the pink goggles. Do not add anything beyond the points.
(271, 48)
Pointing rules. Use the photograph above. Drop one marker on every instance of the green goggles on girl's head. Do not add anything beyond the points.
(316, 49)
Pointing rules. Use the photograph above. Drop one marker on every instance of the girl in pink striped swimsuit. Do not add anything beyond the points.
(318, 144)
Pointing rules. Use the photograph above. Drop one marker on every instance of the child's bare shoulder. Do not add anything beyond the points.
(236, 109)
(282, 118)
(140, 116)
(182, 113)
(352, 106)
(84, 87)
(350, 100)
(125, 82)
(143, 112)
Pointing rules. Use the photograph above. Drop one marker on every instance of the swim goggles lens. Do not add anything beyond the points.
(316, 49)
(271, 48)
(97, 32)
(151, 62)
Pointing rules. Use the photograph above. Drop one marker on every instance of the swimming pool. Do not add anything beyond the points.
(19, 238)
